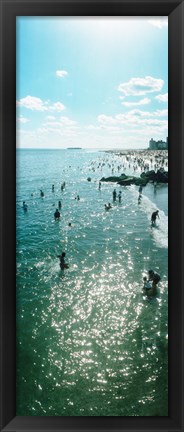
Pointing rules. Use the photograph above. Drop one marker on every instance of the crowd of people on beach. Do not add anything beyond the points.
(130, 160)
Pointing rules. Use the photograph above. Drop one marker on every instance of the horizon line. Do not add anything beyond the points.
(81, 148)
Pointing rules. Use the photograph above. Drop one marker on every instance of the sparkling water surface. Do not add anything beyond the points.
(88, 342)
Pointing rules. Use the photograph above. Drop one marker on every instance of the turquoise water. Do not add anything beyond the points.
(88, 342)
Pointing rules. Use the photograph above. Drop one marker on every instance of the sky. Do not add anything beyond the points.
(91, 82)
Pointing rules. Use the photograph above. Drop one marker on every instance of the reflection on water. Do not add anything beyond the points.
(88, 341)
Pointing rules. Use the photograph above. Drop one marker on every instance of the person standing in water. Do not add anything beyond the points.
(119, 196)
(114, 195)
(153, 276)
(153, 290)
(62, 264)
(150, 289)
(139, 198)
(154, 216)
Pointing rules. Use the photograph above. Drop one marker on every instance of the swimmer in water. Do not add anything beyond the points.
(62, 264)
(57, 214)
(41, 193)
(25, 207)
(108, 206)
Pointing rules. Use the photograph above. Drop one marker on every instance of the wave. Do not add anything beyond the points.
(159, 232)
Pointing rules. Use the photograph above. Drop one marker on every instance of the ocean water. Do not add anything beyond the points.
(88, 342)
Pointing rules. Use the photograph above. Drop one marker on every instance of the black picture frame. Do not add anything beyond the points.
(174, 9)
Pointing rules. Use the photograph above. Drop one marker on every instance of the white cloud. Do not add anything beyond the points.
(61, 73)
(36, 104)
(162, 97)
(42, 130)
(140, 113)
(159, 22)
(133, 128)
(57, 106)
(33, 103)
(91, 127)
(63, 122)
(142, 118)
(141, 86)
(123, 135)
(144, 101)
(22, 119)
(161, 113)
(105, 119)
(67, 122)
(50, 118)
(134, 119)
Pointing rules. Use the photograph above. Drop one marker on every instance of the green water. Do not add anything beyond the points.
(88, 342)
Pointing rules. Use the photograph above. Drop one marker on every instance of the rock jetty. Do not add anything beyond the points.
(161, 176)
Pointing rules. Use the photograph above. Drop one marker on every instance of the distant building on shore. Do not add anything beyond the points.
(158, 145)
